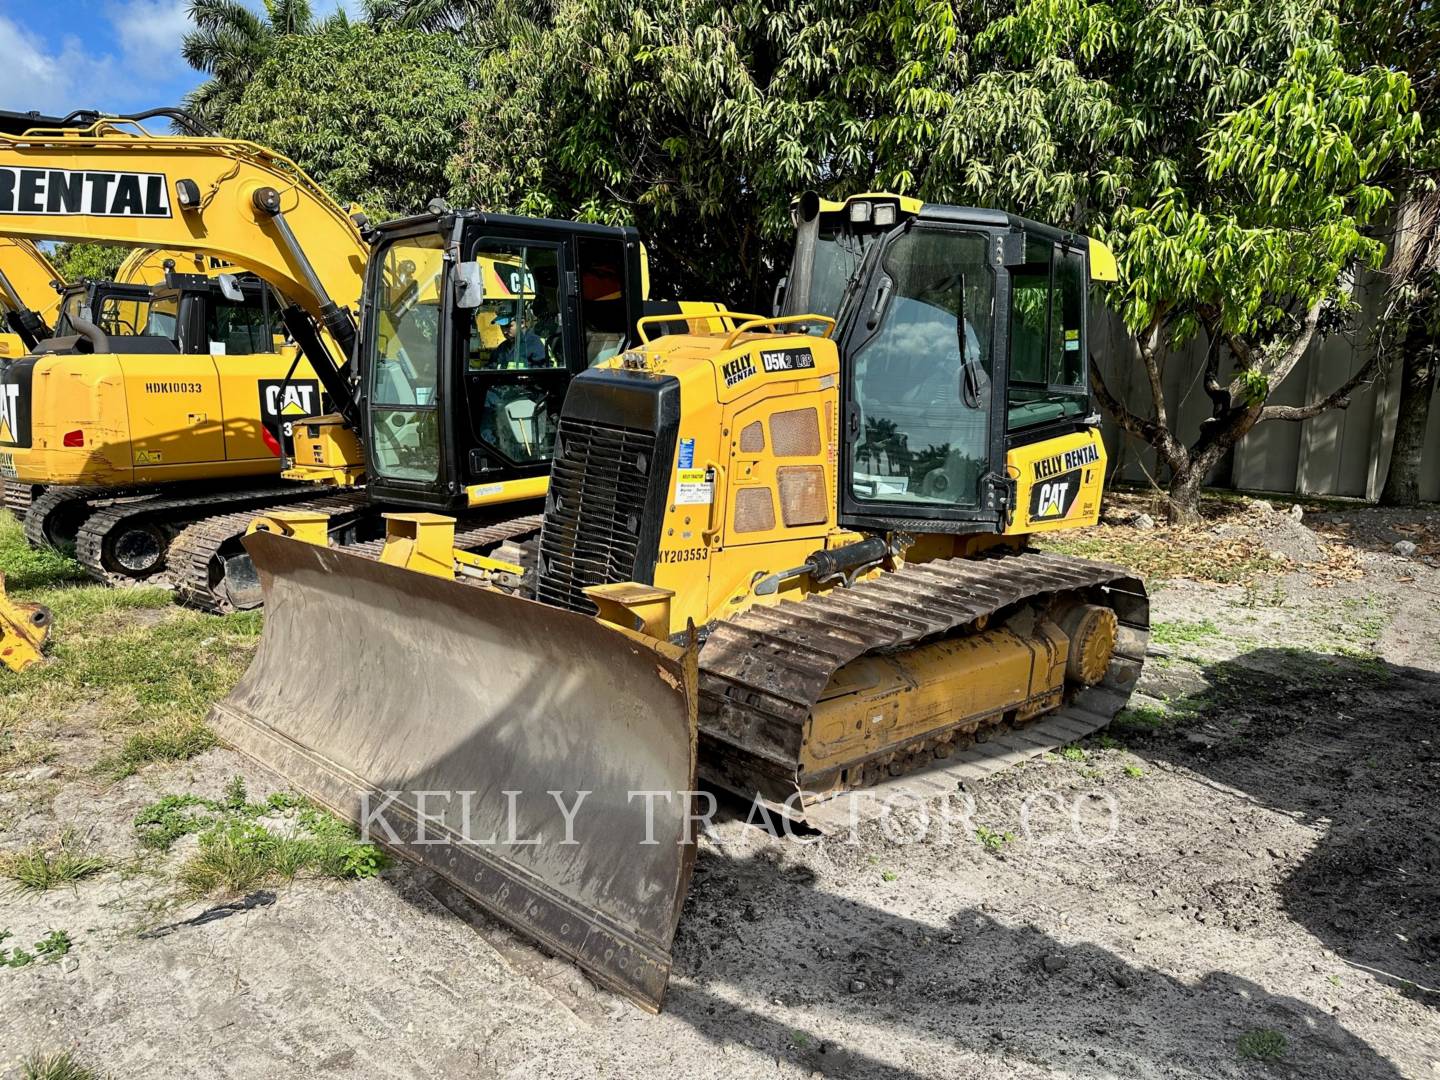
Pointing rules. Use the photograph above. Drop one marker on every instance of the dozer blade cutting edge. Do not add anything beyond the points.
(452, 723)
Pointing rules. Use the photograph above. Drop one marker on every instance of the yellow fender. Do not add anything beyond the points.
(23, 630)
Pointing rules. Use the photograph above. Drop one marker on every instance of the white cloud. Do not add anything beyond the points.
(140, 67)
(149, 31)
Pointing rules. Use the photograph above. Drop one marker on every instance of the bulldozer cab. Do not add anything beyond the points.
(963, 334)
(475, 326)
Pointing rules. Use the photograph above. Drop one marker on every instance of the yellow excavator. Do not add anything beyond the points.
(787, 556)
(154, 410)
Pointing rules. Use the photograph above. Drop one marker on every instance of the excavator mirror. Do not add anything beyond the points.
(230, 288)
(469, 286)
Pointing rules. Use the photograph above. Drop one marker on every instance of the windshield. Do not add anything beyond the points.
(920, 440)
(403, 360)
(838, 254)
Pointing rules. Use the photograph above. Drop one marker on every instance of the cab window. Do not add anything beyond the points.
(517, 325)
(240, 329)
(1047, 336)
(604, 307)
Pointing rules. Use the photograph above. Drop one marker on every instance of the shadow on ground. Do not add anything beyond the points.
(1351, 745)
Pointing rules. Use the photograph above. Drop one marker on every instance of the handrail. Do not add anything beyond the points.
(782, 320)
(719, 313)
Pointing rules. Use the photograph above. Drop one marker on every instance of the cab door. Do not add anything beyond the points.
(521, 351)
(920, 348)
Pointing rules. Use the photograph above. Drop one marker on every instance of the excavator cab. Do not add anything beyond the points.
(478, 323)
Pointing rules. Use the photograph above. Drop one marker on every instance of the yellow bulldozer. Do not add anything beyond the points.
(786, 555)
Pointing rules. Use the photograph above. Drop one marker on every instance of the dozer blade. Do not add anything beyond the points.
(23, 630)
(386, 695)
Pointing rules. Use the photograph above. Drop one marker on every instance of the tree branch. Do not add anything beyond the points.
(1338, 399)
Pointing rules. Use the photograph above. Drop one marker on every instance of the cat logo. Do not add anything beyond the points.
(281, 400)
(9, 411)
(1052, 499)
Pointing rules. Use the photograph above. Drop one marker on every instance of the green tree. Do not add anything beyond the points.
(700, 120)
(98, 262)
(1231, 153)
(1234, 158)
(373, 115)
(230, 41)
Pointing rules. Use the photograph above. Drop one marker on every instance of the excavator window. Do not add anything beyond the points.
(404, 360)
(920, 440)
(240, 329)
(1047, 336)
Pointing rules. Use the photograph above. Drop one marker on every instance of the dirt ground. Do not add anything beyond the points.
(1238, 880)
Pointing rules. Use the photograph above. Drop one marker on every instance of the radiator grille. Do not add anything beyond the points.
(754, 510)
(802, 494)
(795, 433)
(752, 438)
(596, 510)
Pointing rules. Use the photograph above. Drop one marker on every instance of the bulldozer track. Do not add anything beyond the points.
(763, 671)
(167, 513)
(196, 545)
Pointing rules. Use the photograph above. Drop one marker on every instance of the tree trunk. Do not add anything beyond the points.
(1417, 383)
(1183, 506)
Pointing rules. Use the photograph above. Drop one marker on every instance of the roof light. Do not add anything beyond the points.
(885, 213)
(860, 211)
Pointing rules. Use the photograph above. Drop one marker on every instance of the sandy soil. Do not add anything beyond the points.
(1273, 867)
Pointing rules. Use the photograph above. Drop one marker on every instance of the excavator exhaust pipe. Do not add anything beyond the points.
(541, 761)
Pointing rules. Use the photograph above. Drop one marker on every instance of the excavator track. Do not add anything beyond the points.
(48, 513)
(762, 672)
(18, 498)
(194, 550)
(161, 517)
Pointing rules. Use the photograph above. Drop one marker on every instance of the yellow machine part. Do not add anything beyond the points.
(34, 280)
(23, 631)
(326, 451)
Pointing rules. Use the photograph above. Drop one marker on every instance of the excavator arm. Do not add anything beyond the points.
(115, 183)
(28, 299)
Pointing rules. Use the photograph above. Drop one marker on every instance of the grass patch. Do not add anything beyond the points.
(888, 875)
(1134, 772)
(991, 840)
(39, 869)
(28, 568)
(1261, 1044)
(126, 661)
(1165, 554)
(169, 740)
(48, 949)
(1141, 717)
(61, 1066)
(245, 844)
(1073, 753)
(1183, 633)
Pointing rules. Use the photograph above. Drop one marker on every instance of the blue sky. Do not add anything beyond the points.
(112, 55)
